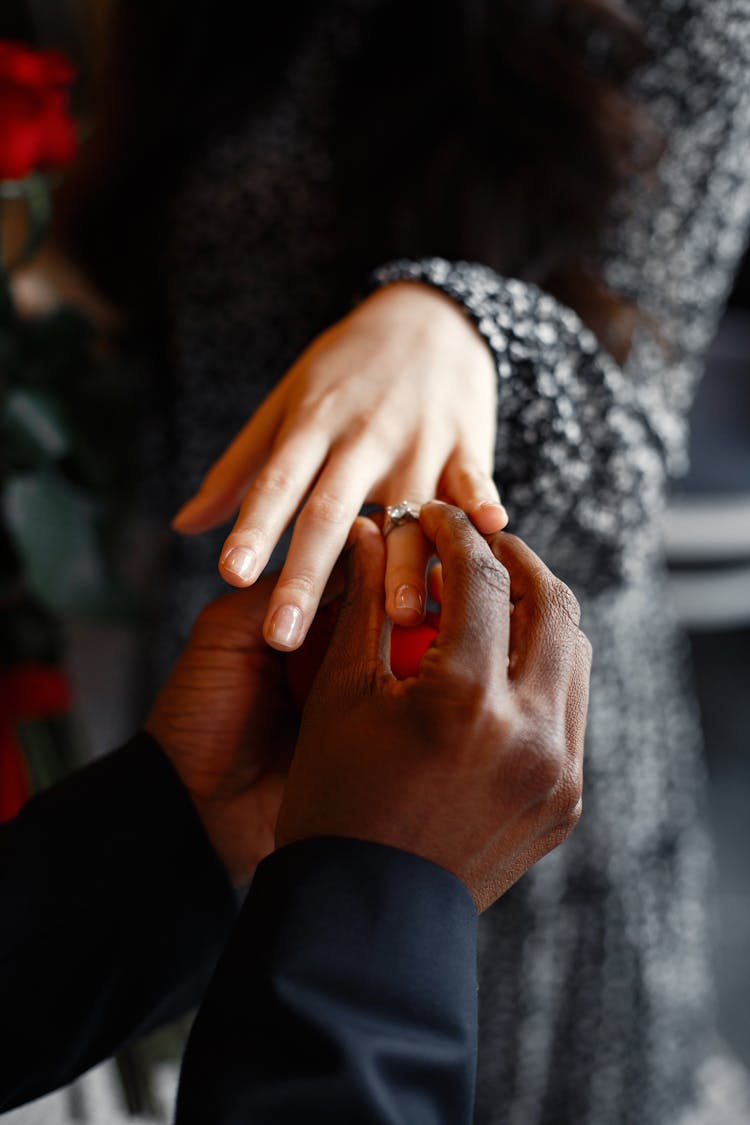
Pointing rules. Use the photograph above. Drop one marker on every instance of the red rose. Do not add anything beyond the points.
(27, 691)
(36, 129)
(15, 787)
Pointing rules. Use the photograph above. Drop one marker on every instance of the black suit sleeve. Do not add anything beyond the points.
(346, 995)
(114, 909)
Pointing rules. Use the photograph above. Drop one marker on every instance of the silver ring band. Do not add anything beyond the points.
(406, 511)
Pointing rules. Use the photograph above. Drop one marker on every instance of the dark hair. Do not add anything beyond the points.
(507, 148)
(494, 130)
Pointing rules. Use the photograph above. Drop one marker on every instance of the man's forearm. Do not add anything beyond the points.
(346, 993)
(115, 909)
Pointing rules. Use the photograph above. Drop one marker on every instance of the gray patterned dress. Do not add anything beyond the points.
(596, 995)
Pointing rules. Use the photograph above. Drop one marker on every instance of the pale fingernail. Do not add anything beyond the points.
(286, 626)
(494, 506)
(408, 597)
(240, 562)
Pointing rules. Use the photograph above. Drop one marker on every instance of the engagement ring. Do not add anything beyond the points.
(404, 512)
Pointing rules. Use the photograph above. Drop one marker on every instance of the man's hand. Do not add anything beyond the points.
(225, 722)
(474, 764)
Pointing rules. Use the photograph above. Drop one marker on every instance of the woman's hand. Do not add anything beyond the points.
(395, 402)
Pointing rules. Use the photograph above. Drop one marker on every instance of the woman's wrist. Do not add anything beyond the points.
(435, 311)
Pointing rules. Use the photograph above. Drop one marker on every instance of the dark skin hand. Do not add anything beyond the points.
(474, 764)
(225, 721)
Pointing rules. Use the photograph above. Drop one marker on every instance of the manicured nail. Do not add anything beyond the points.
(492, 508)
(409, 597)
(496, 504)
(240, 562)
(286, 626)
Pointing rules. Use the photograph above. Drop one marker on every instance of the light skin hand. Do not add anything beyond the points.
(396, 401)
(225, 721)
(476, 763)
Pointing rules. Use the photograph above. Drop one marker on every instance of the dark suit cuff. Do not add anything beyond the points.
(347, 991)
(117, 910)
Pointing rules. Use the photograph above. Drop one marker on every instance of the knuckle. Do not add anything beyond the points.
(574, 815)
(568, 821)
(271, 482)
(570, 794)
(371, 421)
(319, 410)
(323, 507)
(559, 833)
(482, 573)
(465, 698)
(494, 573)
(303, 584)
(473, 479)
(559, 600)
(469, 693)
(568, 603)
(542, 762)
(458, 517)
(586, 647)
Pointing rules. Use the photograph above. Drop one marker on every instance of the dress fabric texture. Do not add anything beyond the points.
(596, 1002)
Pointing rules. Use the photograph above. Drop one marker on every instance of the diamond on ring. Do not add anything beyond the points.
(406, 511)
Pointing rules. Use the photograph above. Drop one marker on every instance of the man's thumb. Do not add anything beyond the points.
(358, 654)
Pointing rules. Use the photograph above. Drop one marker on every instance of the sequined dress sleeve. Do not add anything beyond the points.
(584, 447)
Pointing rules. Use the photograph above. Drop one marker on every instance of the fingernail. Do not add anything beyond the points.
(240, 562)
(408, 597)
(286, 626)
(494, 506)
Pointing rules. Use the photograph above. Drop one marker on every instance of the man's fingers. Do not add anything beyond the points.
(474, 622)
(545, 629)
(578, 701)
(569, 785)
(435, 583)
(240, 607)
(360, 646)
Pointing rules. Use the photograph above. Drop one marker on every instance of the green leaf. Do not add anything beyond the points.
(35, 191)
(47, 761)
(54, 529)
(34, 428)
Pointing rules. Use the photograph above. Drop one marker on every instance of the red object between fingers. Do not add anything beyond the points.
(408, 646)
(27, 691)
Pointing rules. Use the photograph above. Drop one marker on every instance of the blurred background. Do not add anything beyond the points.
(707, 544)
